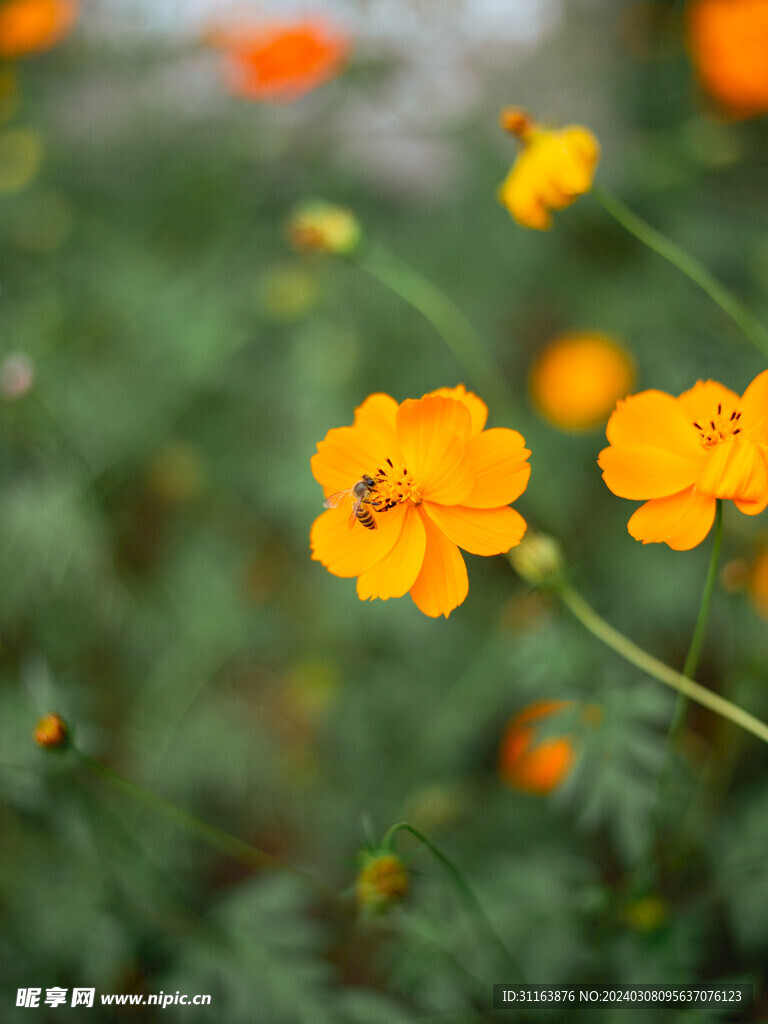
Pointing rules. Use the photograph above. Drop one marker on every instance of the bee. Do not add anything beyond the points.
(360, 493)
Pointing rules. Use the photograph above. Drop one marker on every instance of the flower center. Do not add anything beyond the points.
(722, 427)
(394, 485)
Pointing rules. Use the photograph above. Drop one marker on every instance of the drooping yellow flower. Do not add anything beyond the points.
(553, 169)
(31, 26)
(728, 43)
(577, 379)
(681, 454)
(407, 485)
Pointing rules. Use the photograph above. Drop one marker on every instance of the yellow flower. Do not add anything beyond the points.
(382, 882)
(322, 227)
(407, 485)
(554, 168)
(578, 378)
(680, 455)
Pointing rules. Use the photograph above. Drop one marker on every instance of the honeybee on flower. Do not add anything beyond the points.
(424, 478)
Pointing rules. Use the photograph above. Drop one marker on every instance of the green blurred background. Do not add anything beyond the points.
(181, 363)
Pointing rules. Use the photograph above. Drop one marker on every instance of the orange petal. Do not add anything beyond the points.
(350, 552)
(635, 472)
(700, 402)
(498, 458)
(478, 410)
(654, 419)
(394, 575)
(442, 583)
(754, 407)
(378, 413)
(432, 433)
(481, 531)
(752, 508)
(734, 469)
(682, 521)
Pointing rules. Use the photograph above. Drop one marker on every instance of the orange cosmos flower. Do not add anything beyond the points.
(29, 26)
(578, 378)
(530, 766)
(281, 61)
(407, 485)
(683, 453)
(728, 43)
(552, 171)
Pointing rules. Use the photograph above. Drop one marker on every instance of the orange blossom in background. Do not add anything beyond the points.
(683, 453)
(281, 61)
(437, 482)
(30, 26)
(530, 766)
(728, 44)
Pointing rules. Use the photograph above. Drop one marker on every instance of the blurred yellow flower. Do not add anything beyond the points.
(322, 227)
(51, 732)
(758, 583)
(577, 379)
(554, 168)
(535, 767)
(30, 26)
(646, 914)
(382, 882)
(21, 153)
(728, 44)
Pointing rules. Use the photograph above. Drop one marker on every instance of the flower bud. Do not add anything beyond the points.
(537, 558)
(321, 227)
(51, 732)
(381, 883)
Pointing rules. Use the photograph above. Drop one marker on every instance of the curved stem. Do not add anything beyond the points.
(470, 900)
(447, 319)
(596, 625)
(687, 264)
(233, 847)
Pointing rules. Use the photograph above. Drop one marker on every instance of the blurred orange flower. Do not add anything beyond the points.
(29, 26)
(578, 378)
(281, 61)
(552, 171)
(758, 583)
(683, 453)
(728, 43)
(530, 766)
(407, 485)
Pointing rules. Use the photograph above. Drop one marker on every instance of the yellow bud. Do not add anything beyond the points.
(51, 732)
(381, 883)
(536, 558)
(646, 914)
(321, 227)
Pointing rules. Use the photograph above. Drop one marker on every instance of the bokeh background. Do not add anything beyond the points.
(168, 365)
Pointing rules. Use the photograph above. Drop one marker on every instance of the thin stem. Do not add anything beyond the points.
(596, 625)
(689, 265)
(233, 847)
(470, 900)
(448, 320)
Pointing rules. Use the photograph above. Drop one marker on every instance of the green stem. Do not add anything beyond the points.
(686, 263)
(228, 844)
(468, 897)
(599, 628)
(448, 320)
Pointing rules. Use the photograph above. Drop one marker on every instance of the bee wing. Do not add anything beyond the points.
(355, 510)
(334, 500)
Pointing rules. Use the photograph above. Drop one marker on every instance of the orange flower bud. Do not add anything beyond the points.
(533, 767)
(577, 379)
(554, 168)
(51, 732)
(382, 882)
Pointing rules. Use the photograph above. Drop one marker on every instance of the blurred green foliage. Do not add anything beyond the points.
(157, 588)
